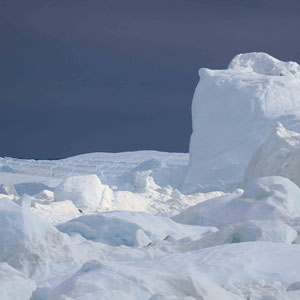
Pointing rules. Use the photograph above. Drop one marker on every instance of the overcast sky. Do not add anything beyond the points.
(80, 76)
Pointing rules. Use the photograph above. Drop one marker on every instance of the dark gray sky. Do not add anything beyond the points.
(81, 76)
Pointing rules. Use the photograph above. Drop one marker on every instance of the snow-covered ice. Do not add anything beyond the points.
(233, 111)
(222, 224)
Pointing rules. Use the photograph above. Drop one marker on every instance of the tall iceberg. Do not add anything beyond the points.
(233, 112)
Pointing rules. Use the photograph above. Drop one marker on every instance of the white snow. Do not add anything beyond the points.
(233, 111)
(151, 225)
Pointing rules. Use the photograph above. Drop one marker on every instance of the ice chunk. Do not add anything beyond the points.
(278, 155)
(233, 111)
(84, 191)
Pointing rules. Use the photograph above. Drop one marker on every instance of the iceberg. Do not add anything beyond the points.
(233, 111)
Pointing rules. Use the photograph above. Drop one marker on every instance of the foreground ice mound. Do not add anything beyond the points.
(266, 198)
(27, 242)
(139, 280)
(196, 274)
(84, 191)
(278, 155)
(233, 111)
(127, 228)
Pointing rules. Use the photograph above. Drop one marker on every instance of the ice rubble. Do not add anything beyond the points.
(233, 111)
(278, 155)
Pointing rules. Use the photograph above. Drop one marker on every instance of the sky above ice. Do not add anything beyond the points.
(81, 76)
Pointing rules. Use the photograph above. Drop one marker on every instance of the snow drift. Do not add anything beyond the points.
(233, 111)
